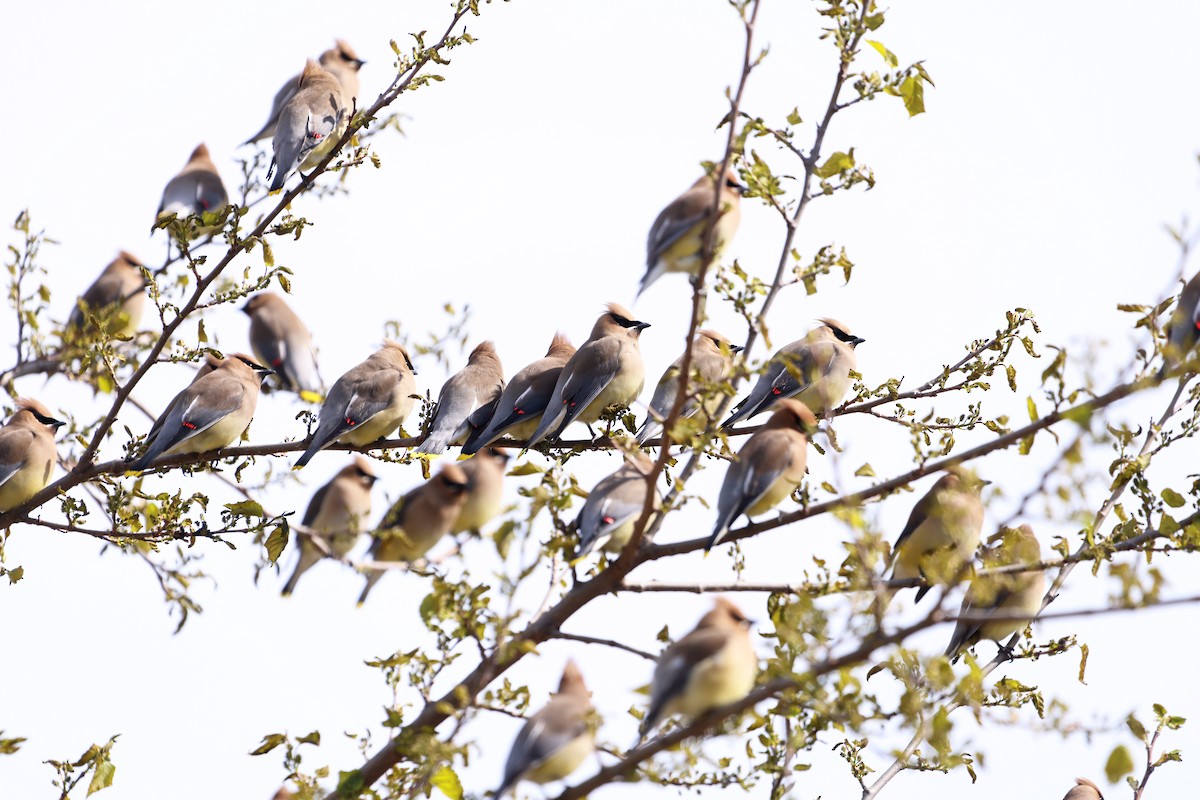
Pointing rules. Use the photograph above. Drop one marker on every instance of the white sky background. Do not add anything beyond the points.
(1058, 142)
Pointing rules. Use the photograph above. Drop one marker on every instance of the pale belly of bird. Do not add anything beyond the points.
(563, 761)
(722, 679)
(478, 511)
(397, 545)
(775, 495)
(222, 434)
(378, 426)
(22, 486)
(621, 391)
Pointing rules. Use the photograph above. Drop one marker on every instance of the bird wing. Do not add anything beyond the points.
(921, 512)
(616, 503)
(749, 478)
(210, 192)
(193, 411)
(314, 506)
(674, 221)
(582, 387)
(356, 398)
(542, 736)
(675, 667)
(14, 445)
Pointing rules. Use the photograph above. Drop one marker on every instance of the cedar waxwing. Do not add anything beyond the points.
(613, 508)
(340, 60)
(116, 298)
(523, 400)
(485, 490)
(210, 413)
(467, 401)
(768, 468)
(281, 341)
(676, 240)
(1184, 329)
(606, 371)
(27, 453)
(713, 665)
(309, 125)
(336, 513)
(417, 521)
(815, 370)
(1084, 790)
(556, 740)
(712, 360)
(368, 402)
(196, 189)
(1008, 594)
(942, 533)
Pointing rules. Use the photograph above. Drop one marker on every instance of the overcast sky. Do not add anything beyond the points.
(1059, 141)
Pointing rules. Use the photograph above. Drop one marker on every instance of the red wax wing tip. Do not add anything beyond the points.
(520, 413)
(350, 421)
(191, 426)
(776, 390)
(609, 520)
(572, 404)
(277, 362)
(1198, 324)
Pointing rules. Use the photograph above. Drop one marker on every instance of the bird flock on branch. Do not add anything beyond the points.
(805, 380)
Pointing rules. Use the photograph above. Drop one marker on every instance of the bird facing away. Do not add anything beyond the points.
(676, 240)
(607, 370)
(27, 453)
(768, 468)
(368, 402)
(815, 370)
(1015, 595)
(417, 521)
(196, 189)
(467, 400)
(212, 412)
(520, 407)
(115, 299)
(336, 514)
(1084, 790)
(1184, 328)
(309, 124)
(281, 341)
(340, 60)
(556, 740)
(712, 361)
(485, 490)
(713, 665)
(614, 506)
(939, 540)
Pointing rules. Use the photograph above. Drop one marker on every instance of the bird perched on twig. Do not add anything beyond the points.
(115, 299)
(712, 361)
(340, 60)
(195, 189)
(27, 453)
(310, 124)
(614, 506)
(466, 401)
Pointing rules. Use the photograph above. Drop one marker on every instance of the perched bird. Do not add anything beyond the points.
(336, 514)
(116, 299)
(368, 402)
(27, 453)
(196, 189)
(556, 740)
(713, 665)
(281, 341)
(815, 370)
(523, 400)
(614, 506)
(309, 123)
(210, 413)
(1084, 790)
(712, 361)
(1008, 594)
(1184, 328)
(768, 468)
(676, 240)
(942, 533)
(467, 400)
(606, 371)
(417, 521)
(340, 60)
(485, 490)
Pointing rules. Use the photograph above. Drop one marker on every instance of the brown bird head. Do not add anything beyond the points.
(716, 342)
(31, 413)
(360, 469)
(342, 53)
(260, 302)
(618, 321)
(560, 347)
(791, 413)
(200, 157)
(244, 365)
(1016, 546)
(126, 260)
(484, 353)
(451, 481)
(395, 355)
(572, 680)
(1084, 782)
(725, 615)
(841, 332)
(961, 477)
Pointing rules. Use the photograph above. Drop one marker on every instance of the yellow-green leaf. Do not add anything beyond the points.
(1173, 498)
(246, 508)
(269, 743)
(912, 89)
(277, 541)
(838, 162)
(888, 55)
(102, 776)
(1119, 763)
(447, 783)
(201, 335)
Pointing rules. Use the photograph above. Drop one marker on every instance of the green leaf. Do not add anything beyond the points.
(865, 471)
(102, 776)
(1119, 763)
(794, 117)
(268, 256)
(201, 335)
(1136, 727)
(1173, 498)
(525, 468)
(277, 541)
(15, 574)
(838, 162)
(246, 508)
(888, 55)
(312, 738)
(913, 92)
(269, 743)
(350, 784)
(447, 782)
(10, 746)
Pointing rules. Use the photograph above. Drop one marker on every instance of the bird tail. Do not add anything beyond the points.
(650, 428)
(740, 412)
(303, 564)
(372, 578)
(435, 443)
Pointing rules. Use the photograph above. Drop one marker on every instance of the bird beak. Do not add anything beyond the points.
(641, 326)
(736, 348)
(56, 423)
(359, 63)
(857, 340)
